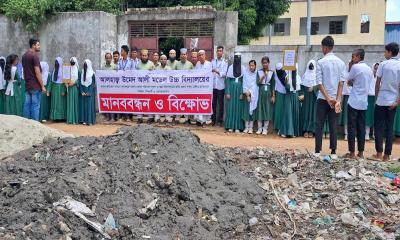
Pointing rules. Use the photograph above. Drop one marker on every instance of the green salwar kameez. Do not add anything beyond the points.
(44, 112)
(397, 123)
(14, 105)
(291, 118)
(234, 106)
(264, 110)
(58, 105)
(343, 114)
(73, 102)
(87, 104)
(369, 117)
(278, 110)
(308, 110)
(2, 101)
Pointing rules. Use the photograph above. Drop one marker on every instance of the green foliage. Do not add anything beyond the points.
(254, 15)
(33, 13)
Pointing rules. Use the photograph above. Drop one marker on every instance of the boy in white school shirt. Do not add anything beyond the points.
(387, 98)
(359, 77)
(330, 77)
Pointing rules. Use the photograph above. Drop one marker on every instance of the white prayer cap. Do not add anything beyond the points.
(172, 51)
(183, 50)
(238, 54)
(279, 66)
(202, 52)
(163, 56)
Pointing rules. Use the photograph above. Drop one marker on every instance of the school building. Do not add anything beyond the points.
(350, 22)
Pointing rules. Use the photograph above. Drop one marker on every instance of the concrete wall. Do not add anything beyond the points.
(373, 54)
(353, 9)
(85, 35)
(14, 39)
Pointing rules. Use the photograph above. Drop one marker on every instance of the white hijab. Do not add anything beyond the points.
(290, 81)
(74, 70)
(45, 72)
(10, 86)
(89, 74)
(250, 85)
(2, 80)
(59, 74)
(310, 76)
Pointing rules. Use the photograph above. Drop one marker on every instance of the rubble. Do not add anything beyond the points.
(148, 183)
(158, 184)
(17, 134)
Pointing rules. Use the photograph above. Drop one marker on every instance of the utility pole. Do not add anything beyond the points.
(269, 34)
(308, 38)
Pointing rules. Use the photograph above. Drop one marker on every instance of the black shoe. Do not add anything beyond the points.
(140, 120)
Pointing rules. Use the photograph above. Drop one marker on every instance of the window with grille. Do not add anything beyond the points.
(314, 28)
(279, 29)
(335, 27)
(198, 28)
(365, 22)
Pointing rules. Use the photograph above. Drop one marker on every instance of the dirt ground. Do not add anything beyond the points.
(217, 136)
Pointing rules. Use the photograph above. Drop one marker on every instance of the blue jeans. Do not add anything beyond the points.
(32, 104)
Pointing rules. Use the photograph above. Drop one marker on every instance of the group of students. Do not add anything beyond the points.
(73, 102)
(361, 98)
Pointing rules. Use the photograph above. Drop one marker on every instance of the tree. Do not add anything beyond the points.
(33, 13)
(254, 15)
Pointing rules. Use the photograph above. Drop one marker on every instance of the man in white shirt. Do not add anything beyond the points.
(387, 99)
(330, 78)
(125, 63)
(360, 76)
(219, 68)
(203, 64)
(134, 57)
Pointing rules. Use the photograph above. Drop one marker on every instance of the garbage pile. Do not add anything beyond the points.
(308, 198)
(140, 183)
(149, 183)
(17, 133)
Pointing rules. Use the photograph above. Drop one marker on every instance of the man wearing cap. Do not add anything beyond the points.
(184, 64)
(203, 64)
(172, 59)
(144, 63)
(162, 66)
(163, 63)
(219, 68)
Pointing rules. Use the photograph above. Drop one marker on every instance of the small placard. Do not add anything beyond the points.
(289, 59)
(66, 73)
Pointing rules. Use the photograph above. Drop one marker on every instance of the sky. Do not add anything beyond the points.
(393, 10)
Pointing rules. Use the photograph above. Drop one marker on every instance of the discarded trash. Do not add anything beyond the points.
(253, 221)
(327, 159)
(389, 175)
(326, 220)
(342, 174)
(74, 206)
(110, 223)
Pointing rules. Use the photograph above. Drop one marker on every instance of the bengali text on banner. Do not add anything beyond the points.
(186, 92)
